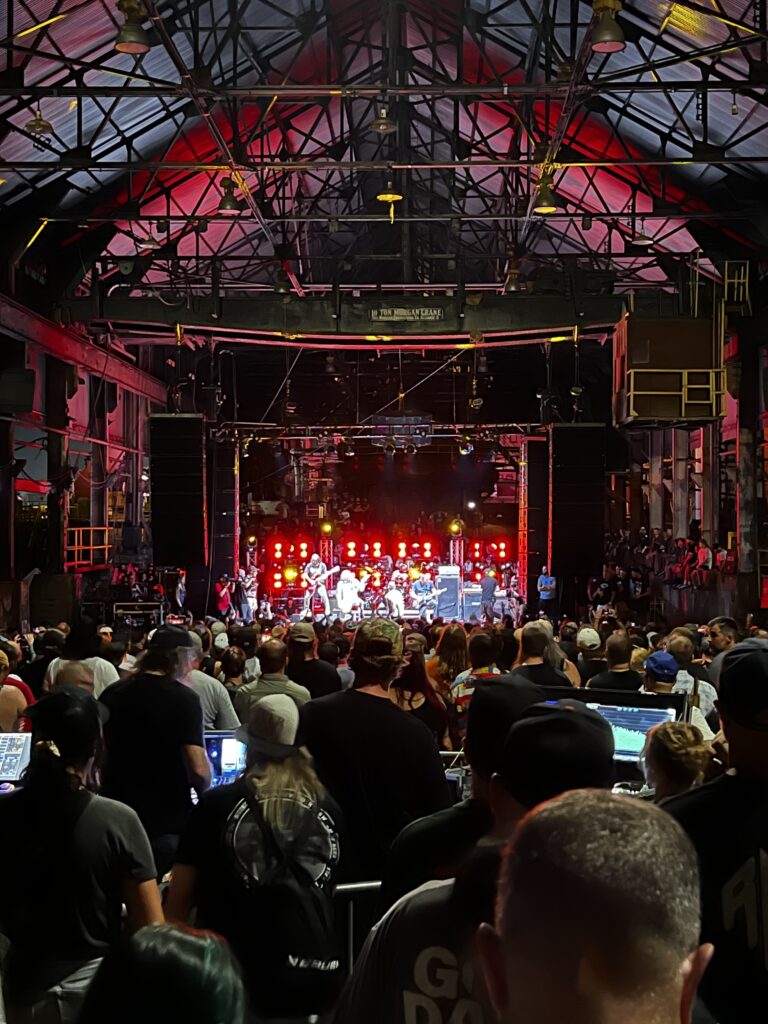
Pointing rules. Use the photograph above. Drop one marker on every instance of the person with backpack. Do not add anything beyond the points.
(258, 861)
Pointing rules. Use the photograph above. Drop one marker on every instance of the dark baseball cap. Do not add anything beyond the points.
(168, 638)
(495, 706)
(744, 684)
(69, 717)
(555, 747)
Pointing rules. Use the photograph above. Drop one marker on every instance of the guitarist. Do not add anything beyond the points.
(425, 594)
(316, 573)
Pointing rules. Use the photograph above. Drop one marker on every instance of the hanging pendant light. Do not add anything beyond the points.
(391, 196)
(38, 125)
(607, 33)
(132, 38)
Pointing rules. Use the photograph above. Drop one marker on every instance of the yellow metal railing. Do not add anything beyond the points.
(690, 394)
(736, 284)
(88, 545)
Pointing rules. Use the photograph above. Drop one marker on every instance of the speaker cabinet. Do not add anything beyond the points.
(225, 508)
(472, 601)
(177, 479)
(532, 539)
(449, 603)
(577, 499)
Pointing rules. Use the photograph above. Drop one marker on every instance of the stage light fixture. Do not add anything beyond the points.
(252, 538)
(282, 287)
(326, 528)
(546, 202)
(132, 38)
(228, 204)
(607, 33)
(383, 124)
(390, 448)
(290, 574)
(410, 449)
(455, 527)
(465, 446)
(38, 125)
(471, 504)
(349, 451)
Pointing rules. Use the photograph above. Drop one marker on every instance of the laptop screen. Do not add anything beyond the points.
(630, 725)
(15, 748)
(227, 757)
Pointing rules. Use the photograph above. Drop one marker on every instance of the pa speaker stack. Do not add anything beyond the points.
(449, 603)
(177, 480)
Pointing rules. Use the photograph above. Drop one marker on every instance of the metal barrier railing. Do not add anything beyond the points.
(350, 890)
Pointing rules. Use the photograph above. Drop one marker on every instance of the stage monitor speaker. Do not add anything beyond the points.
(577, 497)
(472, 601)
(449, 603)
(177, 477)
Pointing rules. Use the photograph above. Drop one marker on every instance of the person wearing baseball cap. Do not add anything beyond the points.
(154, 739)
(380, 764)
(83, 856)
(549, 750)
(661, 676)
(590, 661)
(727, 821)
(240, 834)
(304, 666)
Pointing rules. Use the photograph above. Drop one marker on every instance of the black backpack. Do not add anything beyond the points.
(291, 956)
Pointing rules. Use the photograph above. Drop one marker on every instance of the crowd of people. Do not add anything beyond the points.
(517, 887)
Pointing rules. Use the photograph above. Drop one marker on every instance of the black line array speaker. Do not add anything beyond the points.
(225, 508)
(532, 537)
(577, 499)
(177, 480)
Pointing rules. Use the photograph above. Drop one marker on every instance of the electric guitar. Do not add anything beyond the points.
(312, 585)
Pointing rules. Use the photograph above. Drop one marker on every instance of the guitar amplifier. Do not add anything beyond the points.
(449, 603)
(472, 601)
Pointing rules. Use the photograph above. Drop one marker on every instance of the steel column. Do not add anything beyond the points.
(656, 480)
(680, 485)
(7, 501)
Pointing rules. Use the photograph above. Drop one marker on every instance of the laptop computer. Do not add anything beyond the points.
(630, 726)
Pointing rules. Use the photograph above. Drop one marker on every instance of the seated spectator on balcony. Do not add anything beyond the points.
(165, 973)
(699, 575)
(83, 857)
(589, 927)
(257, 860)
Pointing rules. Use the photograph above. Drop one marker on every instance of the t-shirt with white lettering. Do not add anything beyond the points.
(727, 821)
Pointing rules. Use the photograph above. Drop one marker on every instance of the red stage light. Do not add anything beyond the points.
(278, 576)
(415, 546)
(278, 584)
(478, 576)
(303, 584)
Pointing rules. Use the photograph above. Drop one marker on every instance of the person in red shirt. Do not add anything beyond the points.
(224, 589)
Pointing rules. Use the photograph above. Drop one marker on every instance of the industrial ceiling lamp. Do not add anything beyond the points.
(642, 239)
(607, 33)
(546, 201)
(132, 38)
(383, 124)
(38, 125)
(282, 283)
(390, 195)
(228, 204)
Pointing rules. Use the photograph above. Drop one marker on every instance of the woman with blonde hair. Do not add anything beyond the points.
(450, 658)
(676, 758)
(258, 860)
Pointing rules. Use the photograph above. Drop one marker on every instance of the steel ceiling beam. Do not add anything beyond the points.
(67, 346)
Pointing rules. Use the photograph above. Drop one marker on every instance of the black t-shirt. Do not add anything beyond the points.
(74, 858)
(319, 677)
(436, 722)
(589, 667)
(224, 843)
(380, 764)
(727, 821)
(488, 586)
(611, 680)
(151, 719)
(698, 671)
(542, 675)
(569, 649)
(434, 846)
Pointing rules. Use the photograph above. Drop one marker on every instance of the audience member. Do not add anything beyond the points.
(243, 844)
(216, 703)
(329, 653)
(534, 642)
(589, 927)
(681, 649)
(675, 758)
(233, 670)
(483, 651)
(381, 765)
(661, 671)
(435, 846)
(590, 661)
(413, 691)
(346, 674)
(248, 638)
(451, 657)
(75, 673)
(165, 973)
(82, 856)
(80, 644)
(154, 740)
(273, 658)
(304, 666)
(723, 635)
(727, 821)
(619, 674)
(12, 702)
(47, 646)
(549, 750)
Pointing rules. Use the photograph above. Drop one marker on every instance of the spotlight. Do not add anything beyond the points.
(144, 475)
(132, 38)
(513, 280)
(326, 528)
(546, 201)
(282, 283)
(456, 526)
(410, 449)
(252, 538)
(228, 204)
(465, 446)
(348, 451)
(471, 504)
(383, 124)
(607, 33)
(38, 125)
